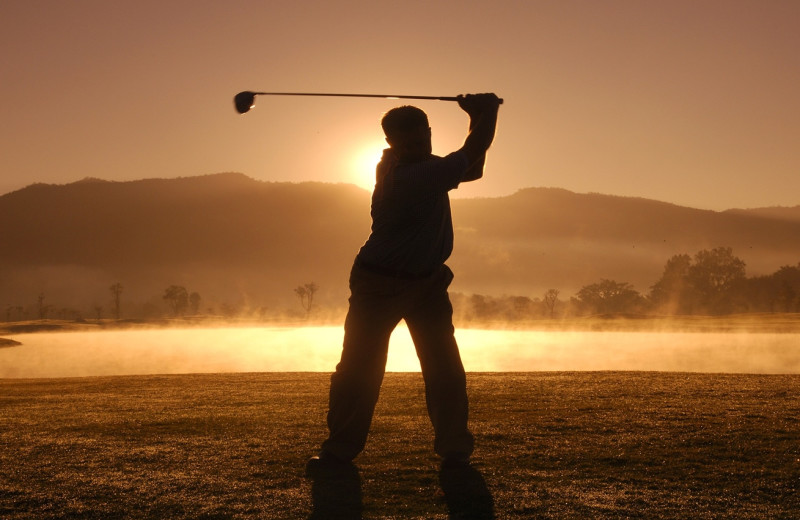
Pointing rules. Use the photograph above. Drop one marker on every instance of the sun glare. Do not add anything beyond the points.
(362, 168)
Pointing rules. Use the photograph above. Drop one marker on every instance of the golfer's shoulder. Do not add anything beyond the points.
(453, 161)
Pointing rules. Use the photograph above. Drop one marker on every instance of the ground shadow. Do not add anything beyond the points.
(466, 493)
(337, 495)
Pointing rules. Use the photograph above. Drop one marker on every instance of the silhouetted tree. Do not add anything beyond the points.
(713, 277)
(194, 302)
(177, 298)
(116, 293)
(671, 292)
(519, 308)
(483, 307)
(42, 308)
(306, 295)
(609, 296)
(787, 290)
(504, 308)
(777, 292)
(300, 291)
(550, 298)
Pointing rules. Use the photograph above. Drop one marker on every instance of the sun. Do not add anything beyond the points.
(362, 165)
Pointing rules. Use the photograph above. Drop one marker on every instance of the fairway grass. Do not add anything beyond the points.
(549, 445)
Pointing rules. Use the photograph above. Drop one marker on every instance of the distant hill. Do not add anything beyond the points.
(245, 242)
(226, 236)
(776, 212)
(567, 240)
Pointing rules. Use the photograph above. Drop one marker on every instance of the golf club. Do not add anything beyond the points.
(244, 101)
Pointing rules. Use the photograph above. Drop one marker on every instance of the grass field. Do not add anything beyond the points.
(549, 445)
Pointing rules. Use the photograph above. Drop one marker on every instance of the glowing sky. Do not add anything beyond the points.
(687, 101)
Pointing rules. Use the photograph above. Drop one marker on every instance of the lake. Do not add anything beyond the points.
(317, 349)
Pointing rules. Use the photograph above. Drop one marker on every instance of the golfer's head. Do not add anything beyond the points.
(408, 133)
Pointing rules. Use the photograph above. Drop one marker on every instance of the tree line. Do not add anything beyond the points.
(177, 302)
(712, 282)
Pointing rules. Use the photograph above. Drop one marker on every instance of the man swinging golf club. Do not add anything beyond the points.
(400, 273)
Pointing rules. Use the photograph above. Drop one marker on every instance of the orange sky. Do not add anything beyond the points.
(693, 102)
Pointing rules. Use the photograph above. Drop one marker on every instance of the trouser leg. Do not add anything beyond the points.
(431, 327)
(355, 385)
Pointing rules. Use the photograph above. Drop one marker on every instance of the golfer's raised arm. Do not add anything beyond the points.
(482, 110)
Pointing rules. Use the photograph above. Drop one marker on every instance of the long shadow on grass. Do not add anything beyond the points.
(466, 493)
(337, 495)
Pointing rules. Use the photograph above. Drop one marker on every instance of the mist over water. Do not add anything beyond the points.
(317, 349)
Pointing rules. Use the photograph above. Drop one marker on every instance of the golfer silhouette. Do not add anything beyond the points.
(400, 274)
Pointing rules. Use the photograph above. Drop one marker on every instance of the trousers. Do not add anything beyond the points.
(377, 304)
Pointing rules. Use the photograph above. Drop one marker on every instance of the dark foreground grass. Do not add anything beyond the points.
(550, 445)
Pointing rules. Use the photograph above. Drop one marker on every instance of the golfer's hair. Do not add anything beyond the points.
(403, 119)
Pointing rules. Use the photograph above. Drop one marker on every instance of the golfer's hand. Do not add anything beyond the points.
(475, 104)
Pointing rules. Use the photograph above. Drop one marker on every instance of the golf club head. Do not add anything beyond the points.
(244, 101)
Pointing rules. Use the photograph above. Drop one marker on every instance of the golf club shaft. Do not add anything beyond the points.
(386, 96)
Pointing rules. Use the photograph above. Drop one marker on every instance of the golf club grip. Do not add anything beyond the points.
(385, 96)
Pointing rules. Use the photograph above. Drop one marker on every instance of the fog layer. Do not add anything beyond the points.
(317, 349)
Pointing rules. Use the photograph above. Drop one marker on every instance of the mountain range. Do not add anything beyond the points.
(244, 242)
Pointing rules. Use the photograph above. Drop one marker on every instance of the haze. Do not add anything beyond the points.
(317, 349)
(689, 101)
